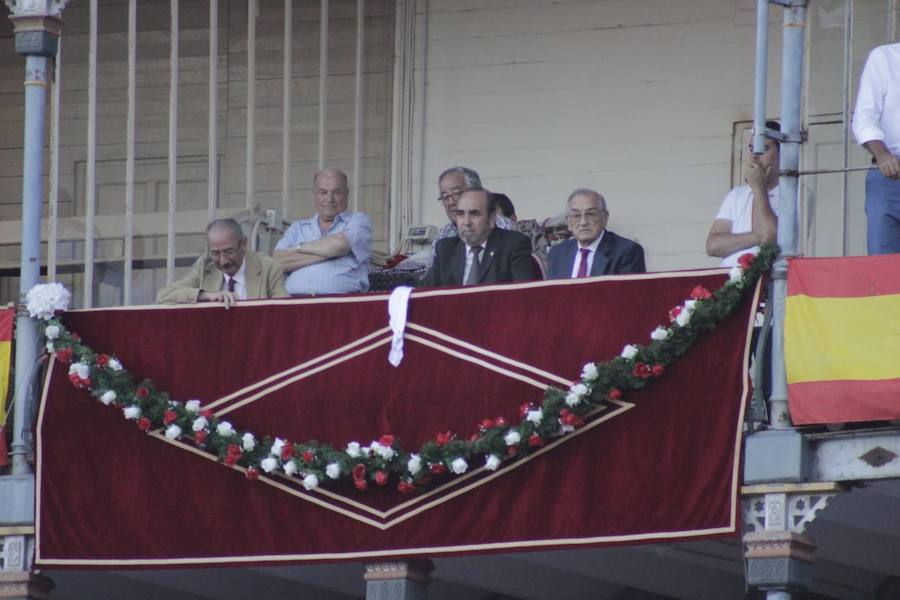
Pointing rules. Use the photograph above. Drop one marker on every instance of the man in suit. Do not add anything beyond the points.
(228, 272)
(593, 249)
(481, 253)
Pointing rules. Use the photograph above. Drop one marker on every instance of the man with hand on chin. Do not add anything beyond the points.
(228, 273)
(329, 252)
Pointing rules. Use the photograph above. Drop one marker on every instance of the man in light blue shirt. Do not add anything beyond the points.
(328, 253)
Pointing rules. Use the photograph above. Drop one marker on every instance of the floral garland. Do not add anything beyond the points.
(384, 461)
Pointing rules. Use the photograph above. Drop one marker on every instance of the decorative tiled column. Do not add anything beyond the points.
(398, 580)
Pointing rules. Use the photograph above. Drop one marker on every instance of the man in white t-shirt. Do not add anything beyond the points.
(749, 214)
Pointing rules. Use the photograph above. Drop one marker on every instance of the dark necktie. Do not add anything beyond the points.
(582, 268)
(231, 283)
(472, 278)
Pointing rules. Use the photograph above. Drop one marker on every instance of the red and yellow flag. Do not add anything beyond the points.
(842, 339)
(7, 316)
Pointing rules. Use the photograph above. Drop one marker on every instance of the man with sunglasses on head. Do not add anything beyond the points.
(593, 250)
(228, 272)
(748, 216)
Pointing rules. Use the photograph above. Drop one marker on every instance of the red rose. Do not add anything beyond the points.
(512, 450)
(102, 360)
(746, 260)
(359, 472)
(200, 437)
(308, 456)
(442, 438)
(386, 440)
(438, 468)
(233, 452)
(500, 422)
(142, 392)
(360, 484)
(673, 314)
(487, 424)
(230, 459)
(658, 370)
(252, 473)
(700, 293)
(614, 394)
(381, 478)
(535, 440)
(564, 413)
(76, 338)
(474, 437)
(207, 413)
(287, 451)
(144, 424)
(641, 370)
(64, 355)
(524, 408)
(169, 416)
(404, 486)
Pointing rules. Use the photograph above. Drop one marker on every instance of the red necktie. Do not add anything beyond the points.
(582, 268)
(231, 283)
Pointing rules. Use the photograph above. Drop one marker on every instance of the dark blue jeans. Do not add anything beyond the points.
(882, 213)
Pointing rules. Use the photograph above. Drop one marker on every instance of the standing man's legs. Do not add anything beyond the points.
(882, 213)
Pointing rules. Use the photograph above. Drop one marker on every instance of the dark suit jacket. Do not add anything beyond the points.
(615, 255)
(506, 257)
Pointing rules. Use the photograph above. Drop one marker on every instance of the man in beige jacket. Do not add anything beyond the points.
(228, 272)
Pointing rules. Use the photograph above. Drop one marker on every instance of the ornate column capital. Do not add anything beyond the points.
(415, 569)
(37, 25)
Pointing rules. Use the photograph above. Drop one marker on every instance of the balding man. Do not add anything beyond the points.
(329, 252)
(229, 272)
(593, 249)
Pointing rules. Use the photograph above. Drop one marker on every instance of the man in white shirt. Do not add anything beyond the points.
(876, 126)
(748, 216)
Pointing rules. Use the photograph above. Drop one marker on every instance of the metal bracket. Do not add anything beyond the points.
(786, 508)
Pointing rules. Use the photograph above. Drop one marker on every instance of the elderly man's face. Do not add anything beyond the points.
(331, 195)
(585, 218)
(472, 218)
(452, 186)
(226, 250)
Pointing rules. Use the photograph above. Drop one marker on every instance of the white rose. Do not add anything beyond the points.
(51, 332)
(684, 317)
(268, 464)
(579, 389)
(353, 449)
(50, 347)
(333, 470)
(736, 275)
(277, 446)
(199, 424)
(173, 431)
(248, 442)
(689, 304)
(492, 462)
(385, 452)
(629, 351)
(45, 299)
(414, 464)
(660, 333)
(512, 437)
(108, 397)
(573, 399)
(310, 482)
(132, 412)
(589, 372)
(290, 468)
(224, 429)
(534, 416)
(192, 406)
(114, 364)
(459, 466)
(80, 369)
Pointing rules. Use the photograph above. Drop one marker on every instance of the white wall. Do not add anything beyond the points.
(636, 99)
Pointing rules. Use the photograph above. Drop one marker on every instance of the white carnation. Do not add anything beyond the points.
(51, 332)
(414, 464)
(173, 431)
(80, 369)
(573, 399)
(534, 416)
(629, 351)
(199, 424)
(660, 333)
(268, 464)
(277, 446)
(108, 397)
(459, 466)
(132, 412)
(45, 299)
(114, 364)
(353, 449)
(310, 482)
(248, 442)
(50, 347)
(736, 275)
(192, 406)
(512, 437)
(224, 429)
(385, 452)
(290, 468)
(492, 462)
(333, 470)
(684, 317)
(589, 372)
(579, 389)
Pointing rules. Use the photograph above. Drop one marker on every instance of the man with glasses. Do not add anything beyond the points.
(329, 252)
(228, 273)
(593, 250)
(748, 216)
(452, 183)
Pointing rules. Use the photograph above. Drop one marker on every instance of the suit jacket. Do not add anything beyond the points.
(264, 279)
(506, 257)
(615, 255)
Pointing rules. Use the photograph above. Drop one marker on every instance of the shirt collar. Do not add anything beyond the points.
(595, 244)
(241, 275)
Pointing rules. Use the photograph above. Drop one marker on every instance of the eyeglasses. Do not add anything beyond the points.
(455, 193)
(228, 253)
(588, 215)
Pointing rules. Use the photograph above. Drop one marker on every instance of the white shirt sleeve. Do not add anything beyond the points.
(870, 99)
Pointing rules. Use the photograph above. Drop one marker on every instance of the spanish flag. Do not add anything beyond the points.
(842, 339)
(7, 315)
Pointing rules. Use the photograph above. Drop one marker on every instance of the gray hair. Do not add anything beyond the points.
(336, 172)
(601, 201)
(229, 224)
(470, 175)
